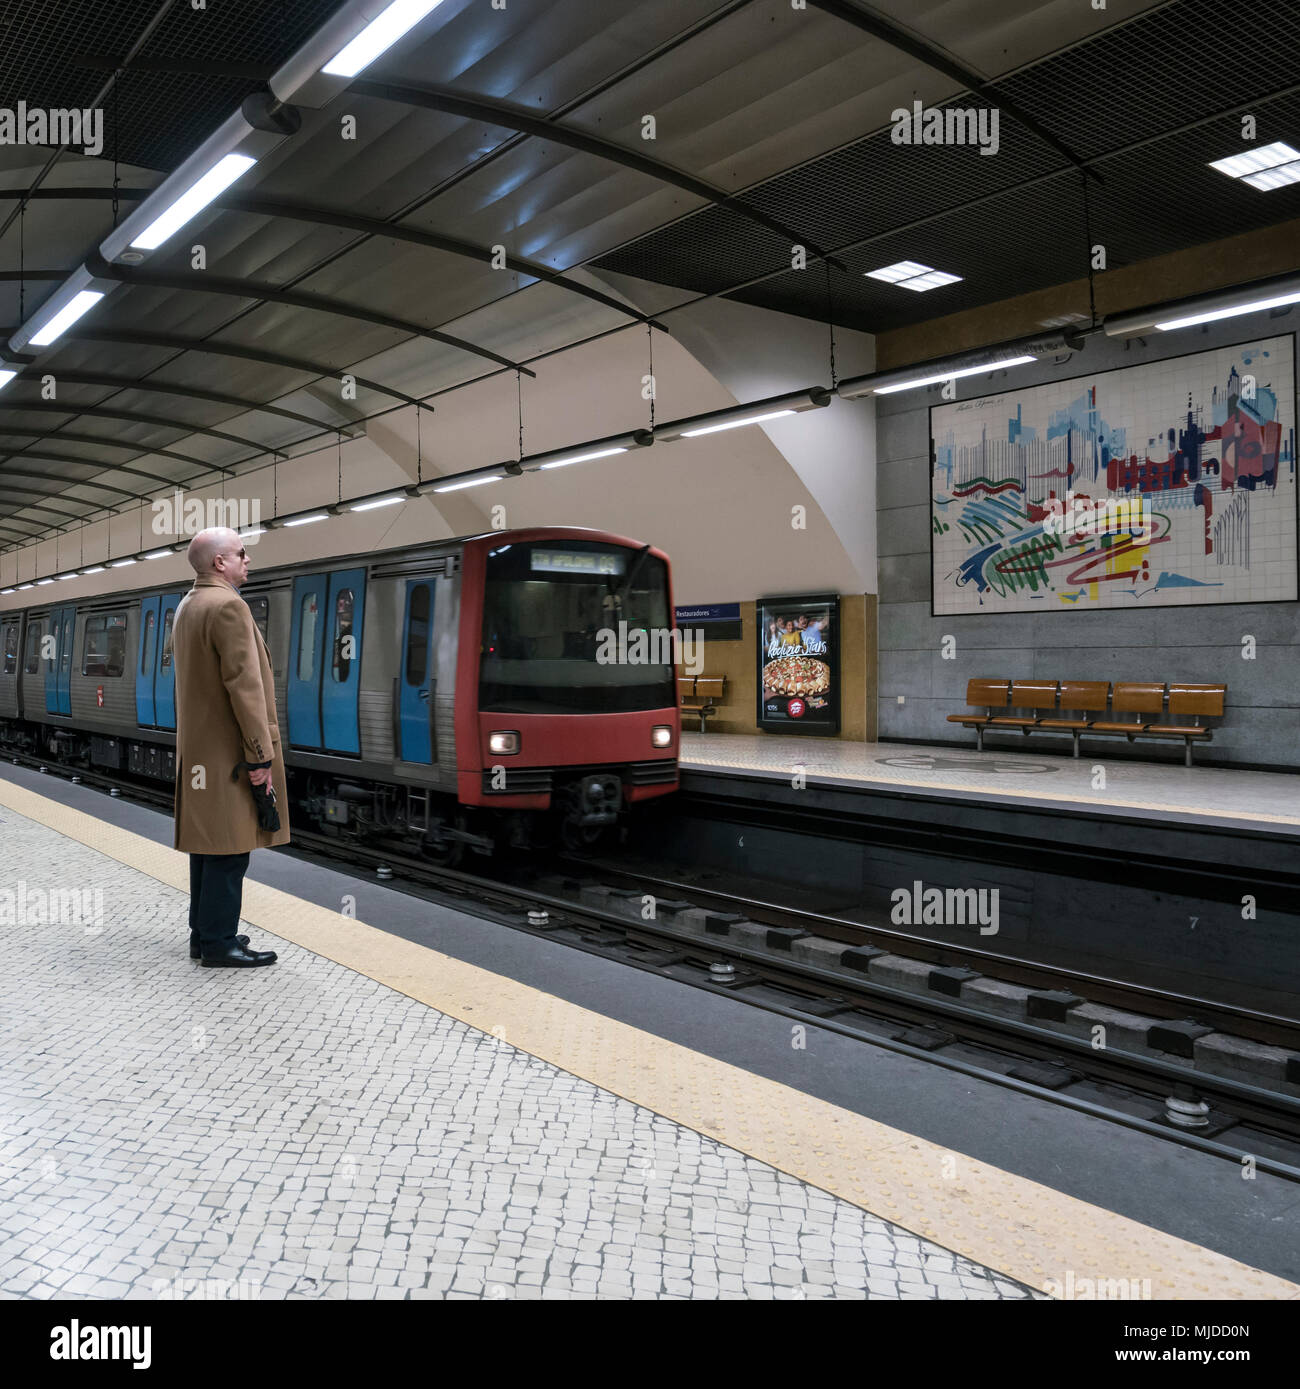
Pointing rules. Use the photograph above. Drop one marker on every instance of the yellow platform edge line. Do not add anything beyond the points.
(1019, 1228)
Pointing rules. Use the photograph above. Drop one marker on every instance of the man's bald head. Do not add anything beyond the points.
(207, 545)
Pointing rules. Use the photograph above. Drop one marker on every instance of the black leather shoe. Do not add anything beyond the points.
(239, 958)
(196, 953)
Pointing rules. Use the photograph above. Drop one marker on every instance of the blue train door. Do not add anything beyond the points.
(144, 701)
(341, 672)
(306, 649)
(415, 700)
(164, 683)
(58, 668)
(325, 661)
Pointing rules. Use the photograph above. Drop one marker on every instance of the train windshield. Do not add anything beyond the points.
(575, 626)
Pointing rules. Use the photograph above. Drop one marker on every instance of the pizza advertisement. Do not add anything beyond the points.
(798, 667)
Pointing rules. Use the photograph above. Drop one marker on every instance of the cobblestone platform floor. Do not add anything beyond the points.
(304, 1131)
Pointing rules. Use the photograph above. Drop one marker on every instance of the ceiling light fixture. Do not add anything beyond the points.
(458, 483)
(307, 520)
(58, 323)
(44, 581)
(94, 569)
(1274, 293)
(7, 374)
(378, 36)
(23, 586)
(911, 274)
(1270, 166)
(159, 554)
(736, 416)
(583, 453)
(120, 563)
(376, 504)
(192, 201)
(584, 457)
(952, 375)
(1011, 354)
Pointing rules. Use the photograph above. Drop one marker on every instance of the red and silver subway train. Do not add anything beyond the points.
(438, 697)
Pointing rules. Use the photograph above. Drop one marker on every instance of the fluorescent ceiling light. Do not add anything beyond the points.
(94, 569)
(952, 375)
(380, 34)
(371, 506)
(5, 592)
(63, 578)
(6, 376)
(23, 586)
(582, 457)
(307, 520)
(900, 270)
(252, 531)
(44, 581)
(1252, 161)
(466, 482)
(1274, 178)
(1212, 315)
(159, 554)
(932, 280)
(736, 424)
(67, 316)
(190, 203)
(911, 274)
(120, 563)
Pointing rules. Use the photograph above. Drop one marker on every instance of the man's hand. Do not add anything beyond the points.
(260, 776)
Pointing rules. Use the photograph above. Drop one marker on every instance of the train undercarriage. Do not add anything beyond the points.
(587, 805)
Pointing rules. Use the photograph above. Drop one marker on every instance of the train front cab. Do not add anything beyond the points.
(542, 722)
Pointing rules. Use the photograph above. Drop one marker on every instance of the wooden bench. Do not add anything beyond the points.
(705, 695)
(1073, 706)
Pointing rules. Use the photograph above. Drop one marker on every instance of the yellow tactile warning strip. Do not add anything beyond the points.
(1017, 1227)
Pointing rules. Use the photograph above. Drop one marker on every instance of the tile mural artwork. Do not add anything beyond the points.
(1171, 483)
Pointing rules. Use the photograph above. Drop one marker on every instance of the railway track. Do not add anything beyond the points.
(1245, 1123)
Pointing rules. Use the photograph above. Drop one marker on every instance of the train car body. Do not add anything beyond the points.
(440, 694)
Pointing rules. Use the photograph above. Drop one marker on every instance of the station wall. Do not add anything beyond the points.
(1203, 643)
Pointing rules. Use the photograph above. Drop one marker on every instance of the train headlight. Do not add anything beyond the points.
(661, 736)
(503, 744)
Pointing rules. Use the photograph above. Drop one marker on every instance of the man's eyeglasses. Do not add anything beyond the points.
(233, 554)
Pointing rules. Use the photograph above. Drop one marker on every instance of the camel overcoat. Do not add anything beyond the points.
(225, 714)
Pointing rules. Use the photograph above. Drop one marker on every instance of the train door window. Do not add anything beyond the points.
(417, 636)
(167, 638)
(103, 649)
(261, 610)
(343, 639)
(11, 648)
(32, 661)
(146, 645)
(307, 637)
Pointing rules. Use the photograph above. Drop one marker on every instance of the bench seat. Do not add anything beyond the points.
(1071, 706)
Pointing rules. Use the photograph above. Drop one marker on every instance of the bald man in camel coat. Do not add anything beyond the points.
(225, 715)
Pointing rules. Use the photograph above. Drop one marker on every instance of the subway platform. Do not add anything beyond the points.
(414, 1103)
(1020, 774)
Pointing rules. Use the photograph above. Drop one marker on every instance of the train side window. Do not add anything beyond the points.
(103, 648)
(32, 661)
(261, 610)
(417, 636)
(11, 648)
(307, 638)
(342, 664)
(167, 638)
(146, 646)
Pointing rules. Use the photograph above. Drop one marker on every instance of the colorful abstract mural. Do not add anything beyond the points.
(1168, 483)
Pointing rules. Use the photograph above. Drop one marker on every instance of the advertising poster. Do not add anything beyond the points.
(798, 664)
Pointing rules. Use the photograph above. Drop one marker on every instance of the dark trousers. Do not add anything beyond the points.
(216, 894)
